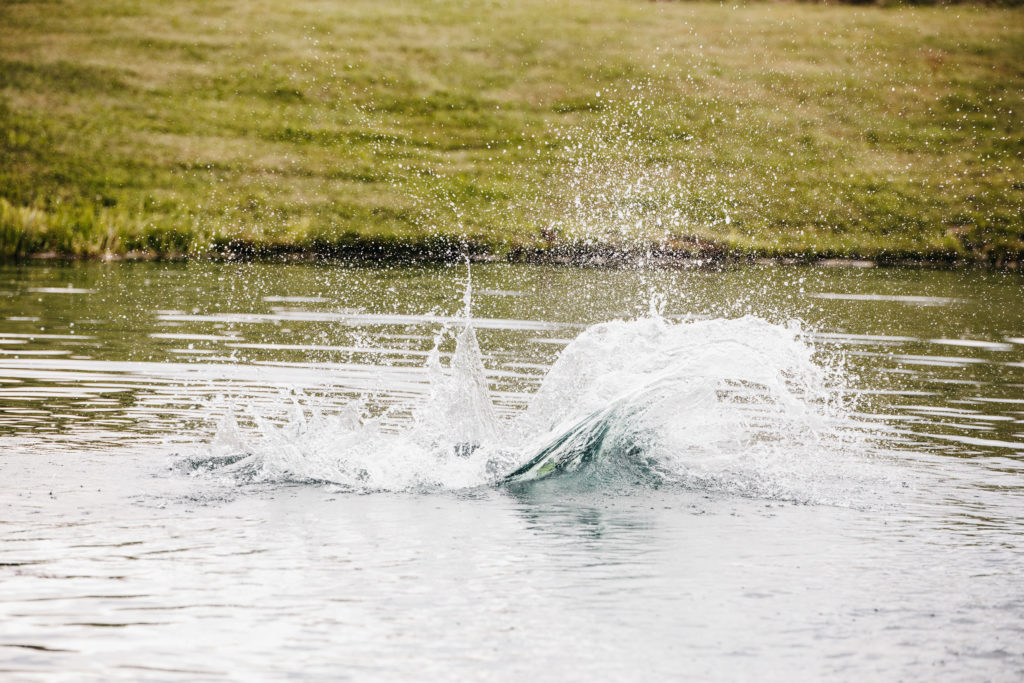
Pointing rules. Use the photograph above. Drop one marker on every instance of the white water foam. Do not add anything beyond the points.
(735, 406)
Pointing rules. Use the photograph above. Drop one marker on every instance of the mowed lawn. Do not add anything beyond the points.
(511, 126)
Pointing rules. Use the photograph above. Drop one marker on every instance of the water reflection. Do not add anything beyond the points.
(94, 351)
(611, 523)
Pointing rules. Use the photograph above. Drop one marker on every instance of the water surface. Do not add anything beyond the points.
(239, 470)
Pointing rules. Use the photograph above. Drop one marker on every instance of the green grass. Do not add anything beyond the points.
(511, 126)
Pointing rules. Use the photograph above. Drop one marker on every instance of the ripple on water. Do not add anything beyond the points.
(114, 564)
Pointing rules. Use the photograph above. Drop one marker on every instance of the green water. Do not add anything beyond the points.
(940, 350)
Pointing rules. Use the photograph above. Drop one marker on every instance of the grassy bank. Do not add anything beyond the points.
(511, 125)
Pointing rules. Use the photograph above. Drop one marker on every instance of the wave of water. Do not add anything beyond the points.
(739, 406)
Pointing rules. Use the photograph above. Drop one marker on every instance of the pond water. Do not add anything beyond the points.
(340, 471)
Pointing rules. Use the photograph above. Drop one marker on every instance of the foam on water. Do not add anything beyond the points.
(737, 406)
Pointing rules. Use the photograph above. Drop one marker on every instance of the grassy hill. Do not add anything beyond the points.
(511, 126)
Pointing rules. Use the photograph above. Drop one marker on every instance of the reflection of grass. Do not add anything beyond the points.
(177, 127)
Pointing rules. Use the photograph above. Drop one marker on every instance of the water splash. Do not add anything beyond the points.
(736, 406)
(618, 190)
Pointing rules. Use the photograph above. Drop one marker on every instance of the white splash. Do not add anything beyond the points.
(618, 190)
(734, 405)
(738, 406)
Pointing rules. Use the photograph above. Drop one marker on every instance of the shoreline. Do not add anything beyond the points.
(569, 256)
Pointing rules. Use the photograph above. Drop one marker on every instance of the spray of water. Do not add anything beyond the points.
(617, 189)
(737, 406)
